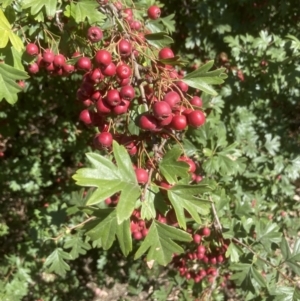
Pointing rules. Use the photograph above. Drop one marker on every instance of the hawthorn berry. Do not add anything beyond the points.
(94, 34)
(32, 49)
(172, 98)
(86, 117)
(142, 175)
(161, 110)
(104, 140)
(179, 122)
(84, 63)
(165, 53)
(124, 48)
(127, 92)
(196, 101)
(153, 12)
(113, 98)
(196, 118)
(48, 56)
(103, 57)
(147, 122)
(123, 71)
(205, 231)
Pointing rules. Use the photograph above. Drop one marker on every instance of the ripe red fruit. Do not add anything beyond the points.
(165, 121)
(123, 82)
(201, 249)
(197, 238)
(172, 98)
(190, 162)
(196, 101)
(94, 34)
(113, 98)
(205, 231)
(196, 118)
(127, 92)
(122, 107)
(96, 75)
(86, 117)
(68, 69)
(137, 235)
(33, 68)
(59, 61)
(103, 107)
(128, 14)
(165, 53)
(124, 48)
(179, 122)
(153, 12)
(141, 175)
(161, 110)
(104, 139)
(135, 25)
(84, 63)
(48, 56)
(103, 57)
(147, 122)
(109, 70)
(123, 71)
(182, 86)
(32, 49)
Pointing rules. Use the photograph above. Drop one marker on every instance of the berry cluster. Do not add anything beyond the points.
(202, 258)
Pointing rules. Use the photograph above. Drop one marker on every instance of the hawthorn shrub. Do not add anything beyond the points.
(184, 167)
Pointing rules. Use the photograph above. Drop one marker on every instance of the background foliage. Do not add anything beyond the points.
(254, 119)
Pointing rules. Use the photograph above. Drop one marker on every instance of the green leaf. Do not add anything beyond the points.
(147, 206)
(272, 145)
(7, 34)
(186, 197)
(258, 277)
(77, 245)
(110, 179)
(171, 168)
(86, 9)
(202, 79)
(17, 59)
(37, 5)
(55, 262)
(233, 252)
(267, 233)
(169, 23)
(291, 259)
(5, 3)
(159, 39)
(284, 293)
(160, 244)
(8, 85)
(105, 228)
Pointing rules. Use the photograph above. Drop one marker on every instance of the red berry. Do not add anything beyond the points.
(33, 68)
(154, 12)
(127, 92)
(197, 238)
(32, 49)
(141, 175)
(109, 70)
(165, 121)
(182, 86)
(59, 61)
(123, 71)
(103, 107)
(68, 68)
(96, 75)
(86, 117)
(103, 57)
(147, 122)
(165, 53)
(205, 231)
(124, 48)
(121, 108)
(94, 34)
(135, 25)
(161, 110)
(196, 101)
(172, 98)
(137, 235)
(84, 63)
(104, 139)
(179, 122)
(113, 98)
(196, 118)
(48, 56)
(190, 162)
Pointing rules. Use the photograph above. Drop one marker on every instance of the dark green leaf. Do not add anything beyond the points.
(37, 5)
(77, 245)
(159, 39)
